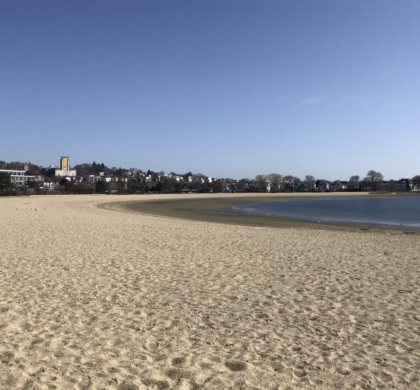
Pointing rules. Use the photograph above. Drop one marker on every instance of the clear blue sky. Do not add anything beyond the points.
(229, 88)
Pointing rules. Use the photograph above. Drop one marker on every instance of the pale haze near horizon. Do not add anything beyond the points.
(229, 89)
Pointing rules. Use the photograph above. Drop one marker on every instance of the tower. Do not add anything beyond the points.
(65, 163)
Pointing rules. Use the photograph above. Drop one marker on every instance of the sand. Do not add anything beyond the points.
(92, 298)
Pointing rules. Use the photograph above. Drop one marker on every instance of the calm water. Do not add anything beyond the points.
(391, 211)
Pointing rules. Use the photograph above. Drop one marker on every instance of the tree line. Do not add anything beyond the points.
(279, 182)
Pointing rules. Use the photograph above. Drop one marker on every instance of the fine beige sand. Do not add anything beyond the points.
(97, 298)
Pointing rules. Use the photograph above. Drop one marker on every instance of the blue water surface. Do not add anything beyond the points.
(390, 211)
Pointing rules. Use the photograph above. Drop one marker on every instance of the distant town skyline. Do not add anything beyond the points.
(64, 168)
(228, 89)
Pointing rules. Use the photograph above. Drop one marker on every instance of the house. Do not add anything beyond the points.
(90, 178)
(394, 185)
(322, 185)
(39, 178)
(289, 187)
(251, 187)
(338, 186)
(384, 186)
(47, 184)
(404, 185)
(302, 187)
(17, 177)
(353, 186)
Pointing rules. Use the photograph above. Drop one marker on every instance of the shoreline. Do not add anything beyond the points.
(219, 209)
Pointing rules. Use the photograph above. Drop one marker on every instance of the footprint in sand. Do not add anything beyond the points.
(236, 366)
(151, 344)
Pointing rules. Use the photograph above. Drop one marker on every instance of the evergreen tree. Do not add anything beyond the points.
(33, 184)
(5, 181)
(101, 186)
(68, 185)
(120, 186)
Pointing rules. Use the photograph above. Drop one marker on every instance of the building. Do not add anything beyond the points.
(322, 185)
(17, 177)
(302, 187)
(65, 168)
(394, 185)
(404, 185)
(251, 187)
(353, 186)
(338, 186)
(65, 163)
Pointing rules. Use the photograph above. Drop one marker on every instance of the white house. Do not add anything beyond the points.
(18, 177)
(61, 173)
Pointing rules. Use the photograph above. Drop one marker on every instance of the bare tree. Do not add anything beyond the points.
(354, 179)
(217, 186)
(241, 184)
(275, 181)
(287, 179)
(392, 186)
(197, 177)
(416, 182)
(290, 182)
(310, 181)
(373, 178)
(262, 182)
(15, 165)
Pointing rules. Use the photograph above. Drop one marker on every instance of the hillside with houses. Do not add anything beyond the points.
(18, 178)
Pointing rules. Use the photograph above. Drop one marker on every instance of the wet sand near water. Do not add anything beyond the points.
(217, 208)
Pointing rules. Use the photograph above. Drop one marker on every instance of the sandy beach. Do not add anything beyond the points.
(95, 297)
